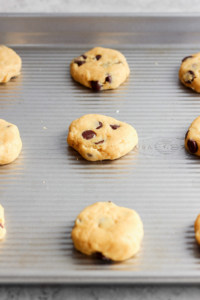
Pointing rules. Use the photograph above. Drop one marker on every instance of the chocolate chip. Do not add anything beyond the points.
(98, 57)
(100, 142)
(89, 155)
(192, 146)
(108, 78)
(100, 256)
(88, 134)
(186, 134)
(100, 125)
(185, 58)
(84, 56)
(114, 127)
(8, 126)
(96, 85)
(1, 225)
(79, 62)
(189, 76)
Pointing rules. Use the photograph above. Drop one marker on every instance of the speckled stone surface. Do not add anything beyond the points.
(99, 292)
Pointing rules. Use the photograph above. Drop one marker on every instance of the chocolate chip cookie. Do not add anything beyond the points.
(10, 64)
(2, 223)
(98, 137)
(10, 142)
(100, 69)
(192, 137)
(189, 72)
(115, 232)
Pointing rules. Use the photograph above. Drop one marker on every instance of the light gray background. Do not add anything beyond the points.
(99, 292)
(99, 6)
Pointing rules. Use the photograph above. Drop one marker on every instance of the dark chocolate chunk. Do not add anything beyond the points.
(100, 142)
(100, 125)
(100, 256)
(98, 57)
(186, 134)
(84, 56)
(185, 58)
(108, 78)
(192, 146)
(79, 62)
(88, 134)
(189, 76)
(96, 85)
(89, 155)
(114, 127)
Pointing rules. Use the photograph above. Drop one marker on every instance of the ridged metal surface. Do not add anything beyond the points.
(49, 184)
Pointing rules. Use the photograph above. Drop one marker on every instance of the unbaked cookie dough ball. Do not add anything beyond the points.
(189, 72)
(99, 137)
(10, 142)
(100, 69)
(113, 231)
(192, 137)
(197, 229)
(10, 64)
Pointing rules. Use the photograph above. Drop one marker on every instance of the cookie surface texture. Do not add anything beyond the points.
(192, 137)
(98, 137)
(100, 69)
(189, 72)
(10, 142)
(2, 223)
(10, 64)
(197, 229)
(115, 232)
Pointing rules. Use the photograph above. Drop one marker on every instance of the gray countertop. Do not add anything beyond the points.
(150, 292)
(99, 292)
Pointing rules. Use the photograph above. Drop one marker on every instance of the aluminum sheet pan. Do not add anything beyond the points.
(45, 189)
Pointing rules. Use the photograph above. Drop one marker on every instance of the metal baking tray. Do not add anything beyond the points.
(49, 184)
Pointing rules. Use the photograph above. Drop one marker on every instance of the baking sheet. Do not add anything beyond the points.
(49, 184)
